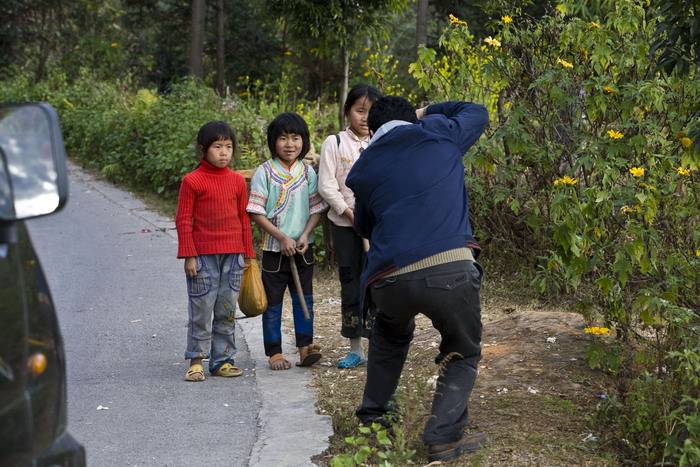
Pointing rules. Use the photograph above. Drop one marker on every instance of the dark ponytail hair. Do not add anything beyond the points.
(359, 91)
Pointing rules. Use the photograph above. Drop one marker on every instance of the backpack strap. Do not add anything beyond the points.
(337, 138)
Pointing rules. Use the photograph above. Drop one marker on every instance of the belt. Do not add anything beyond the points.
(449, 256)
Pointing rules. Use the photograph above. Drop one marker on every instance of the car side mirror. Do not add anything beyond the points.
(33, 174)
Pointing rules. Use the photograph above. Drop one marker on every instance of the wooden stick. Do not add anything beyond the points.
(297, 283)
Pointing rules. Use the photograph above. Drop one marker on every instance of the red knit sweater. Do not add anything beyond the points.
(211, 215)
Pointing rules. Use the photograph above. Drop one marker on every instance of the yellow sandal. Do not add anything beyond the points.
(227, 370)
(193, 370)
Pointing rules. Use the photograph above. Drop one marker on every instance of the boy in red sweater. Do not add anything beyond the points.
(215, 239)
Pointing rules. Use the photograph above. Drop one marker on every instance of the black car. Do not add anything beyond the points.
(33, 182)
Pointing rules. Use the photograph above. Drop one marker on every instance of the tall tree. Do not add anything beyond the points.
(197, 43)
(341, 27)
(220, 48)
(421, 23)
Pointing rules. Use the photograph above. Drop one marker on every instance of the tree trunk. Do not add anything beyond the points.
(421, 23)
(197, 44)
(220, 48)
(345, 57)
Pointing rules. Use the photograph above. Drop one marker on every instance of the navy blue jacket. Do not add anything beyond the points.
(410, 198)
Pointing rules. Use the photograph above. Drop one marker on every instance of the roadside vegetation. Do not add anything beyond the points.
(585, 188)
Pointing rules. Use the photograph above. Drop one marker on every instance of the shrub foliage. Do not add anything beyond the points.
(590, 174)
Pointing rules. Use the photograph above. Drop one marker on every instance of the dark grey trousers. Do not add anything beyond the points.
(448, 295)
(350, 257)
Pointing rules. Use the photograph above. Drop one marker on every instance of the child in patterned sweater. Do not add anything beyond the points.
(284, 202)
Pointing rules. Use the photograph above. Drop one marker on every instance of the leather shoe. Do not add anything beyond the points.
(448, 451)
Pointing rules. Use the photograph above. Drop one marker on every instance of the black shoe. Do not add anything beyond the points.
(448, 451)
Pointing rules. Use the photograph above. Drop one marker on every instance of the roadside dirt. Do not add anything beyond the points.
(534, 395)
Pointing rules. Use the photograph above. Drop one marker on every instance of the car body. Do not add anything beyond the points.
(33, 182)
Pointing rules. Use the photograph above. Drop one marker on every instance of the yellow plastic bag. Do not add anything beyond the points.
(252, 299)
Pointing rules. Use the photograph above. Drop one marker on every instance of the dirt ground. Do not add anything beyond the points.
(534, 395)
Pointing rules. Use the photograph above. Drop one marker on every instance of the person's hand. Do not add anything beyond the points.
(420, 113)
(350, 215)
(302, 244)
(288, 246)
(191, 266)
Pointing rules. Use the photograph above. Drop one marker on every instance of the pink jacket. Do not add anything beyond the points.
(334, 166)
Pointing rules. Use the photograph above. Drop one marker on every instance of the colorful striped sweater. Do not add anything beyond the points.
(287, 197)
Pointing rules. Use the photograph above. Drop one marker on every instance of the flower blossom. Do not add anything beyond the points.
(609, 89)
(491, 41)
(615, 134)
(566, 181)
(564, 63)
(637, 171)
(455, 20)
(596, 330)
(507, 19)
(686, 142)
(594, 26)
(683, 171)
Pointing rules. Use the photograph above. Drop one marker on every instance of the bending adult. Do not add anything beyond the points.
(412, 204)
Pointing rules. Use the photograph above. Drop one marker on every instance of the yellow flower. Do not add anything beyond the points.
(114, 44)
(564, 63)
(637, 171)
(366, 74)
(609, 89)
(683, 171)
(697, 252)
(507, 19)
(594, 26)
(597, 331)
(686, 142)
(455, 20)
(491, 41)
(566, 181)
(615, 134)
(287, 52)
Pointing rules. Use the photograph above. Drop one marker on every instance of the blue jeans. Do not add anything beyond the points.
(213, 293)
(448, 294)
(277, 278)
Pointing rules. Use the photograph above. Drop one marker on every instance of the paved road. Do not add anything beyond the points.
(120, 294)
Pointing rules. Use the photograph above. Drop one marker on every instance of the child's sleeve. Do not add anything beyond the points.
(183, 221)
(316, 203)
(257, 203)
(245, 221)
(328, 186)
